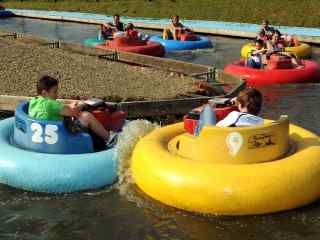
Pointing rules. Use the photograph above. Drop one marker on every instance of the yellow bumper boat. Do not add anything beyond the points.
(302, 51)
(230, 171)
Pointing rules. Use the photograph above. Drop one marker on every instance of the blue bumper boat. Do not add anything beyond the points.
(6, 13)
(174, 45)
(43, 156)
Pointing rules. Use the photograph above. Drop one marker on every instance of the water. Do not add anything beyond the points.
(77, 33)
(107, 214)
(68, 32)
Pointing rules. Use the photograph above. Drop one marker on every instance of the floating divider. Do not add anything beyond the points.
(211, 78)
(125, 57)
(139, 109)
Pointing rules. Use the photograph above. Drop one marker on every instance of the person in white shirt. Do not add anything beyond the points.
(249, 102)
(240, 119)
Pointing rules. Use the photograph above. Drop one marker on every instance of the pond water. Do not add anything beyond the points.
(107, 214)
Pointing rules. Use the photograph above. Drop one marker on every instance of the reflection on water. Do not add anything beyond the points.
(226, 50)
(64, 31)
(110, 216)
(106, 214)
(298, 101)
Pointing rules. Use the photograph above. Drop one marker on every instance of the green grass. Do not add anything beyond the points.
(280, 12)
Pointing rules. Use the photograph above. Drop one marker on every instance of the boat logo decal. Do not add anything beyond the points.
(234, 142)
(261, 140)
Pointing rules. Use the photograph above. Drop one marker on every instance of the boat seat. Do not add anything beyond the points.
(235, 145)
(47, 136)
(279, 62)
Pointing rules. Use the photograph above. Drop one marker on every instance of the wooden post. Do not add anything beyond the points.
(9, 35)
(110, 56)
(211, 74)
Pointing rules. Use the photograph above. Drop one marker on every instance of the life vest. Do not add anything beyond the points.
(110, 120)
(132, 33)
(279, 62)
(263, 38)
(276, 47)
(105, 31)
(281, 44)
(188, 36)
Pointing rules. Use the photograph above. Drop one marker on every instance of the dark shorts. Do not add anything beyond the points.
(253, 64)
(75, 126)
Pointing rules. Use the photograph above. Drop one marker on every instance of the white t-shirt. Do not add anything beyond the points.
(240, 119)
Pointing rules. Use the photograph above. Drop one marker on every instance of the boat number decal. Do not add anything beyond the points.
(234, 142)
(37, 133)
(261, 140)
(51, 136)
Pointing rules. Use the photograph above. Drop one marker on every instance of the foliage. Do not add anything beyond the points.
(293, 13)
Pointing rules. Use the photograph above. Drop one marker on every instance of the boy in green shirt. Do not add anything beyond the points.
(46, 107)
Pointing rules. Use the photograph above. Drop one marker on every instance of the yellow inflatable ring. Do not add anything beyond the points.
(302, 51)
(230, 189)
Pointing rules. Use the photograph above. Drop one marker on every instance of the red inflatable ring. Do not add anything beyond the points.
(309, 73)
(134, 45)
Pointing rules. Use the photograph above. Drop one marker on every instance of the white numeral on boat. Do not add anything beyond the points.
(37, 133)
(51, 136)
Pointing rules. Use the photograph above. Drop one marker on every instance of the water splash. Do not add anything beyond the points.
(127, 140)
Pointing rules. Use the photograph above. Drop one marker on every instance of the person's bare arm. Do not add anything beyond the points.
(183, 27)
(109, 25)
(259, 51)
(71, 110)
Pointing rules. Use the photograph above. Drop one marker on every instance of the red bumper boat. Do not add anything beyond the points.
(134, 45)
(221, 110)
(276, 73)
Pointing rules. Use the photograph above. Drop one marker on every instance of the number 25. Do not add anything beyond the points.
(51, 136)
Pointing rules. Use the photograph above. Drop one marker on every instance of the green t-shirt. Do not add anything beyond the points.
(41, 108)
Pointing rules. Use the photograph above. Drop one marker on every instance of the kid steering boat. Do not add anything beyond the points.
(43, 156)
(231, 171)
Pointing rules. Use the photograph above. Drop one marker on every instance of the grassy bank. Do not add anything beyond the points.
(293, 13)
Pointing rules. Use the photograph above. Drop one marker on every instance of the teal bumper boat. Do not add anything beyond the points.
(42, 156)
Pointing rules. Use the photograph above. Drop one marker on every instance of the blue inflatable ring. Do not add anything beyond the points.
(43, 172)
(174, 45)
